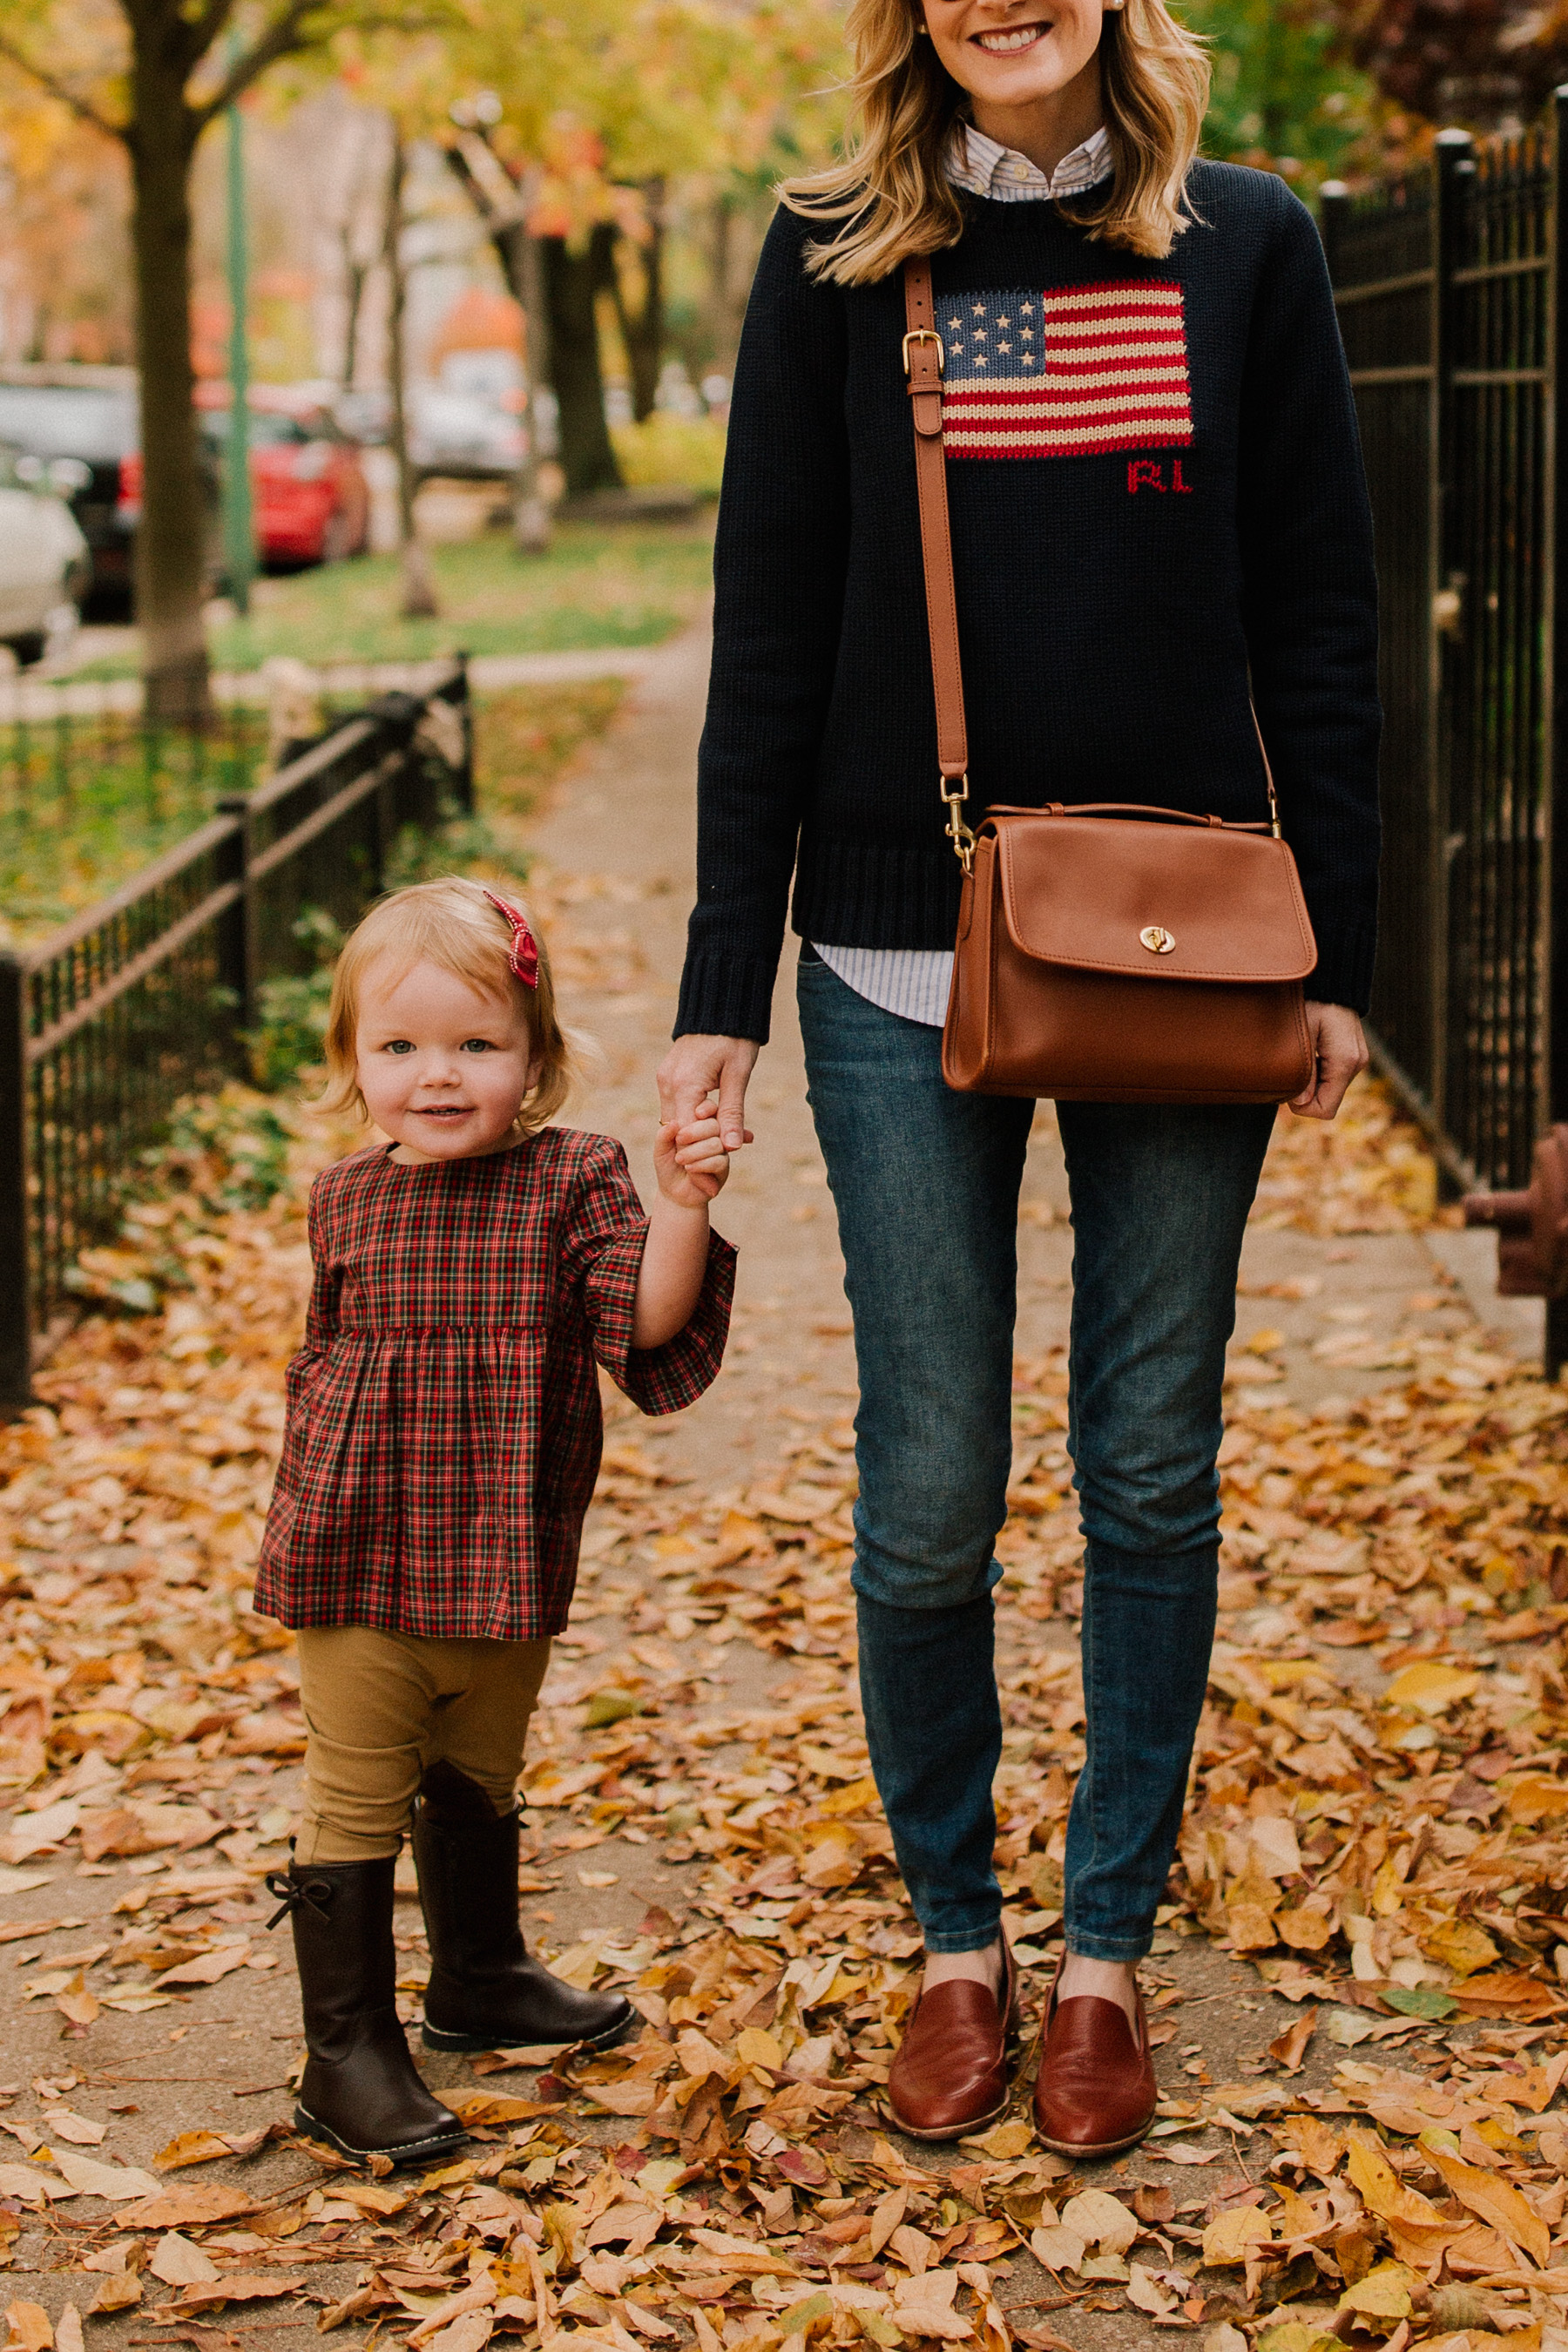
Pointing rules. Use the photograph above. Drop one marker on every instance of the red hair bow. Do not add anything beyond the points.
(524, 958)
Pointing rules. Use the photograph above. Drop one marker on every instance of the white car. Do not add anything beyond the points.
(44, 560)
(460, 436)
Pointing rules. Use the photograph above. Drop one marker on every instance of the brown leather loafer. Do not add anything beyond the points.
(1096, 2092)
(951, 2073)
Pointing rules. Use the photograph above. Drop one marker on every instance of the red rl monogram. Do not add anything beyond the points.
(1149, 474)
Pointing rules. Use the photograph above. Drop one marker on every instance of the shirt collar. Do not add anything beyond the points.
(985, 168)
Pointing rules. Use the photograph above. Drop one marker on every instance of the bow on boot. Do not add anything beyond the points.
(360, 2091)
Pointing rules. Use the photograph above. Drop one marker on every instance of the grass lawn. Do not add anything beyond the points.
(86, 801)
(600, 584)
(80, 814)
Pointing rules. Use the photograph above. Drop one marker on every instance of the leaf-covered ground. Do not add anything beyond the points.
(1361, 2026)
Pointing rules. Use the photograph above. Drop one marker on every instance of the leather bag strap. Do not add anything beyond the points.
(924, 359)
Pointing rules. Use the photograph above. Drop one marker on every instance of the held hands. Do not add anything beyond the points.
(702, 1109)
(689, 1160)
(697, 1067)
(1340, 1044)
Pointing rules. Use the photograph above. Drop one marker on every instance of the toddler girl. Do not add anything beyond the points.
(442, 1443)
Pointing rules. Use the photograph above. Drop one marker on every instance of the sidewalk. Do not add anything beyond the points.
(35, 700)
(699, 1813)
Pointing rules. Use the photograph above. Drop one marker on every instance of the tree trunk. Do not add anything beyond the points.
(419, 584)
(642, 331)
(354, 275)
(519, 255)
(728, 283)
(172, 538)
(572, 281)
(1277, 107)
(719, 268)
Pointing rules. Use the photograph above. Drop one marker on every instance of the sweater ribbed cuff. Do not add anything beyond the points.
(726, 996)
(1345, 957)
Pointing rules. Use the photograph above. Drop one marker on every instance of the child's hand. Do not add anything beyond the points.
(691, 1166)
(691, 1163)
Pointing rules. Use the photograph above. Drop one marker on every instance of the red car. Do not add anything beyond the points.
(307, 489)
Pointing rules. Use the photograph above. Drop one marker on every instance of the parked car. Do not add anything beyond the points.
(83, 426)
(45, 566)
(83, 436)
(309, 494)
(463, 436)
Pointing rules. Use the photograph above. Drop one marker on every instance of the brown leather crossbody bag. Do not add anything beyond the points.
(1110, 953)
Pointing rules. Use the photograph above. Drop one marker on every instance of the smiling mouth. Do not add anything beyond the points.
(1009, 43)
(442, 1110)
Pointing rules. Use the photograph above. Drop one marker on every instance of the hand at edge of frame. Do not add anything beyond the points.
(1339, 1042)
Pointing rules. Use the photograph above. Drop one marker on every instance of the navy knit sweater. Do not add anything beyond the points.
(1199, 512)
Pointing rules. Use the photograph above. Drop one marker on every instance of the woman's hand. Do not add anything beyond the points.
(696, 1067)
(1339, 1042)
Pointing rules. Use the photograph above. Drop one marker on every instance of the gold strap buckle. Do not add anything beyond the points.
(953, 796)
(925, 335)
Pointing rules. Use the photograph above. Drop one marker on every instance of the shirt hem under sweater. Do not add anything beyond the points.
(1112, 603)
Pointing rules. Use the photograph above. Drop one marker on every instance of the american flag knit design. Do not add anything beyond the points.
(1067, 374)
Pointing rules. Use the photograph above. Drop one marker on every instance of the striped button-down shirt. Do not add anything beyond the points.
(982, 167)
(914, 981)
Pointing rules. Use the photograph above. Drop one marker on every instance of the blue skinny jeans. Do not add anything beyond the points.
(925, 1182)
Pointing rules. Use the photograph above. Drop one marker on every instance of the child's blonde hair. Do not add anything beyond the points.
(454, 924)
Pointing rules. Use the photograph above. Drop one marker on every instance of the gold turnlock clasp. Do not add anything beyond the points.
(953, 796)
(925, 335)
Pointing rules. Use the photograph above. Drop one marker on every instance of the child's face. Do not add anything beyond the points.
(443, 1067)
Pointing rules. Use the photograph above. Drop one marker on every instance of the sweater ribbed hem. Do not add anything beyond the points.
(870, 894)
(726, 996)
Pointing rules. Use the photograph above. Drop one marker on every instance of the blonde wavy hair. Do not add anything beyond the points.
(451, 923)
(894, 197)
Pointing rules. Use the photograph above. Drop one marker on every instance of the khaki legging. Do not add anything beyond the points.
(381, 1708)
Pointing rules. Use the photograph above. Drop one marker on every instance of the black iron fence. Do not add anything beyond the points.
(146, 997)
(1450, 294)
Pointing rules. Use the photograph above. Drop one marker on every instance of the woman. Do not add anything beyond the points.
(1176, 514)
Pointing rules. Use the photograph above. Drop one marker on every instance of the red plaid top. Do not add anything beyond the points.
(444, 1428)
